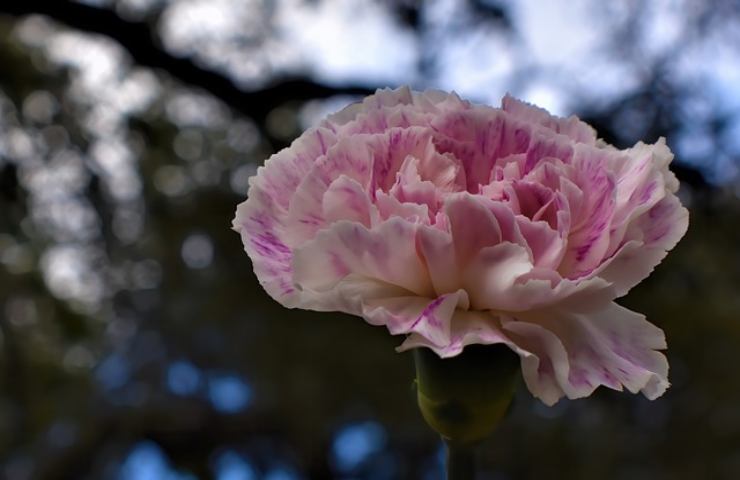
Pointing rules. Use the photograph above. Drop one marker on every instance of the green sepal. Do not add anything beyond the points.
(464, 398)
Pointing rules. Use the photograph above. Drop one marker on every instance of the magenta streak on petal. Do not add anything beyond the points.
(604, 186)
(579, 376)
(312, 220)
(648, 192)
(269, 245)
(428, 313)
(321, 142)
(595, 234)
(545, 367)
(522, 138)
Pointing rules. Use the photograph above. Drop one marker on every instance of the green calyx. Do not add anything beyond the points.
(463, 398)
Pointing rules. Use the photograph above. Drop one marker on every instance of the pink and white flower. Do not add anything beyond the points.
(453, 224)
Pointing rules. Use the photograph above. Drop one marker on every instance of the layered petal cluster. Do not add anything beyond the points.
(453, 223)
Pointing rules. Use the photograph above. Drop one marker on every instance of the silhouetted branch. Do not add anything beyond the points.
(138, 39)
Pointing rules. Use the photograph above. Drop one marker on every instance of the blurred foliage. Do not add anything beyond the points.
(135, 340)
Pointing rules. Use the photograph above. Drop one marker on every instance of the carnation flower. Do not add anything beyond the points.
(454, 224)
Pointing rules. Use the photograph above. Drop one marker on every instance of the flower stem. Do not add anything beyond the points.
(460, 461)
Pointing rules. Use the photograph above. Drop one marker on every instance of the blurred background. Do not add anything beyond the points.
(135, 342)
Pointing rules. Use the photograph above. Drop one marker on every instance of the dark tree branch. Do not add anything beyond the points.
(138, 39)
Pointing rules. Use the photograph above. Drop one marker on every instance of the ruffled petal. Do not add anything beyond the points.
(544, 147)
(473, 226)
(436, 248)
(392, 148)
(386, 253)
(346, 199)
(372, 160)
(393, 108)
(589, 238)
(467, 328)
(614, 347)
(430, 319)
(261, 219)
(544, 359)
(479, 137)
(572, 127)
(410, 188)
(547, 245)
(377, 101)
(640, 185)
(351, 158)
(491, 276)
(659, 231)
(389, 206)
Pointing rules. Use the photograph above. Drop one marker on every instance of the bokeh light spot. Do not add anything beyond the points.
(183, 378)
(232, 466)
(355, 443)
(229, 393)
(197, 251)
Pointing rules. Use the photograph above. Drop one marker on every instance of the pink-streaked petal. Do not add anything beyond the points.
(660, 157)
(640, 186)
(410, 188)
(391, 149)
(377, 101)
(572, 127)
(664, 224)
(351, 158)
(529, 287)
(262, 235)
(465, 211)
(545, 148)
(371, 160)
(436, 248)
(389, 206)
(395, 313)
(494, 223)
(544, 359)
(479, 137)
(260, 220)
(660, 229)
(547, 245)
(380, 120)
(351, 293)
(502, 278)
(430, 319)
(283, 172)
(393, 108)
(533, 200)
(436, 101)
(550, 174)
(271, 190)
(541, 289)
(345, 199)
(574, 199)
(442, 170)
(468, 327)
(473, 136)
(589, 239)
(387, 252)
(614, 347)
